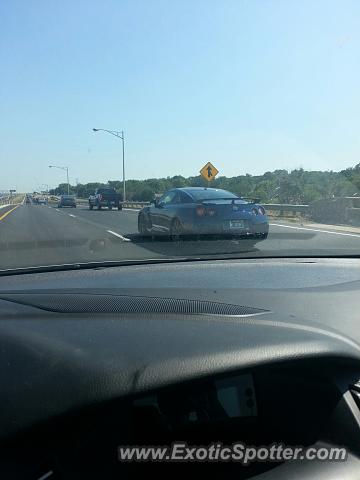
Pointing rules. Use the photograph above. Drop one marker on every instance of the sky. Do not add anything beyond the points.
(249, 85)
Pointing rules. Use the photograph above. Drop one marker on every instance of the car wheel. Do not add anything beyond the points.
(90, 206)
(99, 207)
(143, 225)
(119, 207)
(176, 230)
(110, 207)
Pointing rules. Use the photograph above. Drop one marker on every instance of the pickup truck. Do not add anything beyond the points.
(105, 197)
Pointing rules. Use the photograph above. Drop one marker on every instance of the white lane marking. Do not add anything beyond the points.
(124, 239)
(46, 475)
(132, 209)
(57, 210)
(71, 215)
(316, 230)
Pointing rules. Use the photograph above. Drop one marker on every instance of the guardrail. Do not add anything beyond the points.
(351, 215)
(273, 209)
(10, 200)
(132, 204)
(281, 209)
(286, 207)
(135, 205)
(270, 206)
(4, 200)
(324, 211)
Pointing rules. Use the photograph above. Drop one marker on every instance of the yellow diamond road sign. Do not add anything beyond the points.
(209, 172)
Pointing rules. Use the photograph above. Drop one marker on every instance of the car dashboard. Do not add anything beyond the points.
(86, 370)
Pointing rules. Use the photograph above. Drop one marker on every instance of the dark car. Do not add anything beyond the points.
(105, 197)
(204, 211)
(67, 201)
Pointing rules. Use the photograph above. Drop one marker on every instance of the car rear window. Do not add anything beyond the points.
(106, 190)
(210, 194)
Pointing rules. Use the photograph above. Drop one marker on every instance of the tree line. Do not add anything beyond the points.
(280, 186)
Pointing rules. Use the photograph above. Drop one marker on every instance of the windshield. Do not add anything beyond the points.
(141, 111)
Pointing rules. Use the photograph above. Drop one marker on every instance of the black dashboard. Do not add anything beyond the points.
(258, 351)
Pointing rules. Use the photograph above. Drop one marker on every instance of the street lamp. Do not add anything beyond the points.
(67, 174)
(121, 136)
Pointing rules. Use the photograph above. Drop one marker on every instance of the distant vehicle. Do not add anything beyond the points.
(105, 197)
(204, 211)
(41, 201)
(67, 201)
(28, 200)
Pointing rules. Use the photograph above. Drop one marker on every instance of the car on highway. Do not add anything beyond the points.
(204, 211)
(42, 201)
(67, 201)
(105, 197)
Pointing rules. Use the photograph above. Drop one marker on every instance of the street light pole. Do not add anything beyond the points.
(67, 175)
(123, 155)
(121, 136)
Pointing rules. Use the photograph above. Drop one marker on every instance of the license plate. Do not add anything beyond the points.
(237, 224)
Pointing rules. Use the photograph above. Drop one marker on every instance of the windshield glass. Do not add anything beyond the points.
(140, 111)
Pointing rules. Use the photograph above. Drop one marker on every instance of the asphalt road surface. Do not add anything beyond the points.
(39, 235)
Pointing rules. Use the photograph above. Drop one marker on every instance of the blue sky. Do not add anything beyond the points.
(248, 85)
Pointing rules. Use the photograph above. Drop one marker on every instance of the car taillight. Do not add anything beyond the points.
(200, 211)
(255, 211)
(262, 211)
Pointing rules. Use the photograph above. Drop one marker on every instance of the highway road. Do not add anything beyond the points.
(39, 235)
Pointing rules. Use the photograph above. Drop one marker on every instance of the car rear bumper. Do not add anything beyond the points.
(247, 229)
(107, 203)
